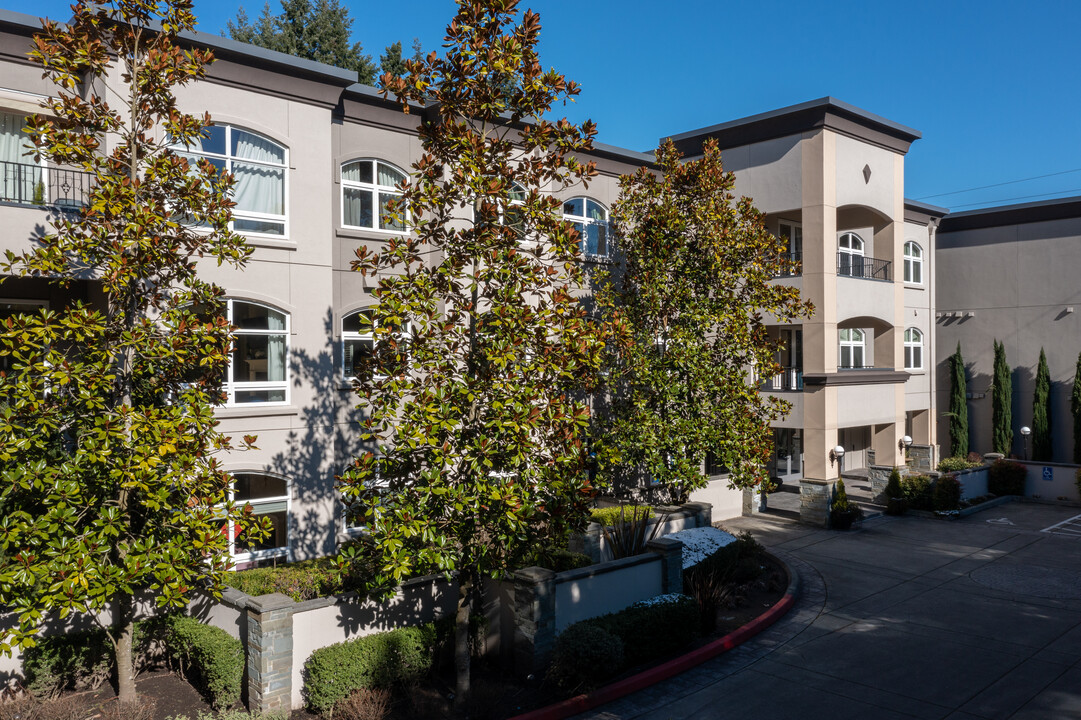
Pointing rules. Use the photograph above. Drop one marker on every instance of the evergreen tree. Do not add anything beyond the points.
(1001, 403)
(958, 406)
(1075, 408)
(316, 31)
(392, 63)
(1041, 412)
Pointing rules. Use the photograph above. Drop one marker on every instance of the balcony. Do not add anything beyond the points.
(790, 379)
(30, 184)
(858, 266)
(796, 260)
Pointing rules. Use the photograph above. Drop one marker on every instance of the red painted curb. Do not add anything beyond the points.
(654, 675)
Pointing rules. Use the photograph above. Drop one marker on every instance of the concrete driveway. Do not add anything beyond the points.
(905, 618)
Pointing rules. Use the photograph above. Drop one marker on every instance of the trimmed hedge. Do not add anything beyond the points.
(652, 628)
(584, 656)
(958, 462)
(1006, 477)
(947, 493)
(381, 660)
(301, 580)
(212, 659)
(610, 516)
(916, 490)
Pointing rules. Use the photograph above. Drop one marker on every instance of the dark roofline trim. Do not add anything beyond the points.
(1041, 211)
(927, 208)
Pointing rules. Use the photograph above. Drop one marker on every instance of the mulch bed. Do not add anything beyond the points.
(496, 692)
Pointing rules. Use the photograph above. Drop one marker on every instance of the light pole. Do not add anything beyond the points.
(1025, 432)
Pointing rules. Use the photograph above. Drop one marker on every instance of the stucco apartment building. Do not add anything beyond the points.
(316, 155)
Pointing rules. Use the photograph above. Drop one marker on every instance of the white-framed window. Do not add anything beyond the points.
(259, 167)
(269, 497)
(21, 179)
(913, 263)
(368, 187)
(591, 219)
(258, 367)
(792, 235)
(913, 349)
(509, 216)
(353, 514)
(852, 347)
(358, 342)
(850, 249)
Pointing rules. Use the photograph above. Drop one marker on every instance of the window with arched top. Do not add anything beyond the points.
(850, 250)
(358, 344)
(853, 347)
(913, 263)
(269, 497)
(511, 215)
(258, 165)
(368, 187)
(258, 370)
(913, 349)
(591, 220)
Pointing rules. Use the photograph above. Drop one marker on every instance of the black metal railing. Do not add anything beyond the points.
(795, 260)
(28, 184)
(790, 379)
(858, 266)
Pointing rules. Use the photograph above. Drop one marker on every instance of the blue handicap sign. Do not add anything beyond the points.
(1047, 473)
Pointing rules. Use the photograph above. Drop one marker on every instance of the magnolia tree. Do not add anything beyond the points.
(689, 335)
(475, 389)
(111, 491)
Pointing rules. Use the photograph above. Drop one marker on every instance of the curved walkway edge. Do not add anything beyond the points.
(652, 676)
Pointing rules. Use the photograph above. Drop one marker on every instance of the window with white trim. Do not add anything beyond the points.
(591, 220)
(258, 370)
(353, 512)
(258, 165)
(269, 497)
(850, 249)
(913, 263)
(368, 187)
(852, 348)
(510, 216)
(358, 343)
(913, 349)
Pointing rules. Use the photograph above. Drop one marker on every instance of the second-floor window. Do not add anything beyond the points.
(368, 187)
(591, 219)
(20, 176)
(913, 263)
(913, 349)
(850, 255)
(852, 348)
(257, 367)
(258, 165)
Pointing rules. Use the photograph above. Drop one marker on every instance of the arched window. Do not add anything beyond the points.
(852, 348)
(368, 187)
(510, 216)
(913, 263)
(268, 497)
(358, 342)
(913, 349)
(258, 372)
(259, 166)
(850, 255)
(591, 219)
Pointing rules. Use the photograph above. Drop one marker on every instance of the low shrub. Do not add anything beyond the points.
(953, 464)
(895, 499)
(947, 493)
(712, 581)
(364, 704)
(382, 660)
(610, 516)
(561, 559)
(211, 659)
(653, 627)
(30, 707)
(76, 661)
(1006, 477)
(301, 580)
(585, 655)
(916, 490)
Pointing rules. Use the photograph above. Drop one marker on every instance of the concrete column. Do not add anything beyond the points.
(886, 444)
(703, 513)
(671, 552)
(923, 428)
(270, 653)
(534, 620)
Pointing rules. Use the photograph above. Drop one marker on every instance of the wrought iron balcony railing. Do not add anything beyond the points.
(790, 379)
(858, 266)
(29, 184)
(796, 259)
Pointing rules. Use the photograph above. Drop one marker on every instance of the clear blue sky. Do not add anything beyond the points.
(993, 86)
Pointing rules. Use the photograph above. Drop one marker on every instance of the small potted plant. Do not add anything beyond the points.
(842, 512)
(896, 504)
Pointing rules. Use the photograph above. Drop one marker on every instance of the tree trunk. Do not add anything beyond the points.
(124, 622)
(461, 642)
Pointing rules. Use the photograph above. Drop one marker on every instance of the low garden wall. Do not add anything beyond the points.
(672, 519)
(1051, 481)
(973, 482)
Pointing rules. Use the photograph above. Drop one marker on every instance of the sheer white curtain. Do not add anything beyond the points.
(276, 348)
(258, 188)
(19, 175)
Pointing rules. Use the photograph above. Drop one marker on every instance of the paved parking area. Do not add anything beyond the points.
(977, 618)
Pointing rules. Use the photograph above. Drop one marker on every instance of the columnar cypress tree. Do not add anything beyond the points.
(1075, 408)
(1001, 395)
(958, 405)
(1041, 412)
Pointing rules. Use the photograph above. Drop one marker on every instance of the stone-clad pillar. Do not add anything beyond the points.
(671, 552)
(534, 620)
(270, 653)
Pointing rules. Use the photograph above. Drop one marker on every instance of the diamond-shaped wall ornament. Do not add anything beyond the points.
(866, 173)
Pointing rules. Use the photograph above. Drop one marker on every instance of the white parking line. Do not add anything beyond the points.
(1060, 527)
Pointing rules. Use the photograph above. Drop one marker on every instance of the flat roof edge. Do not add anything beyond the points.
(1039, 211)
(927, 208)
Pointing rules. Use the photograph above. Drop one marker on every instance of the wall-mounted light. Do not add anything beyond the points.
(836, 454)
(1069, 308)
(904, 443)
